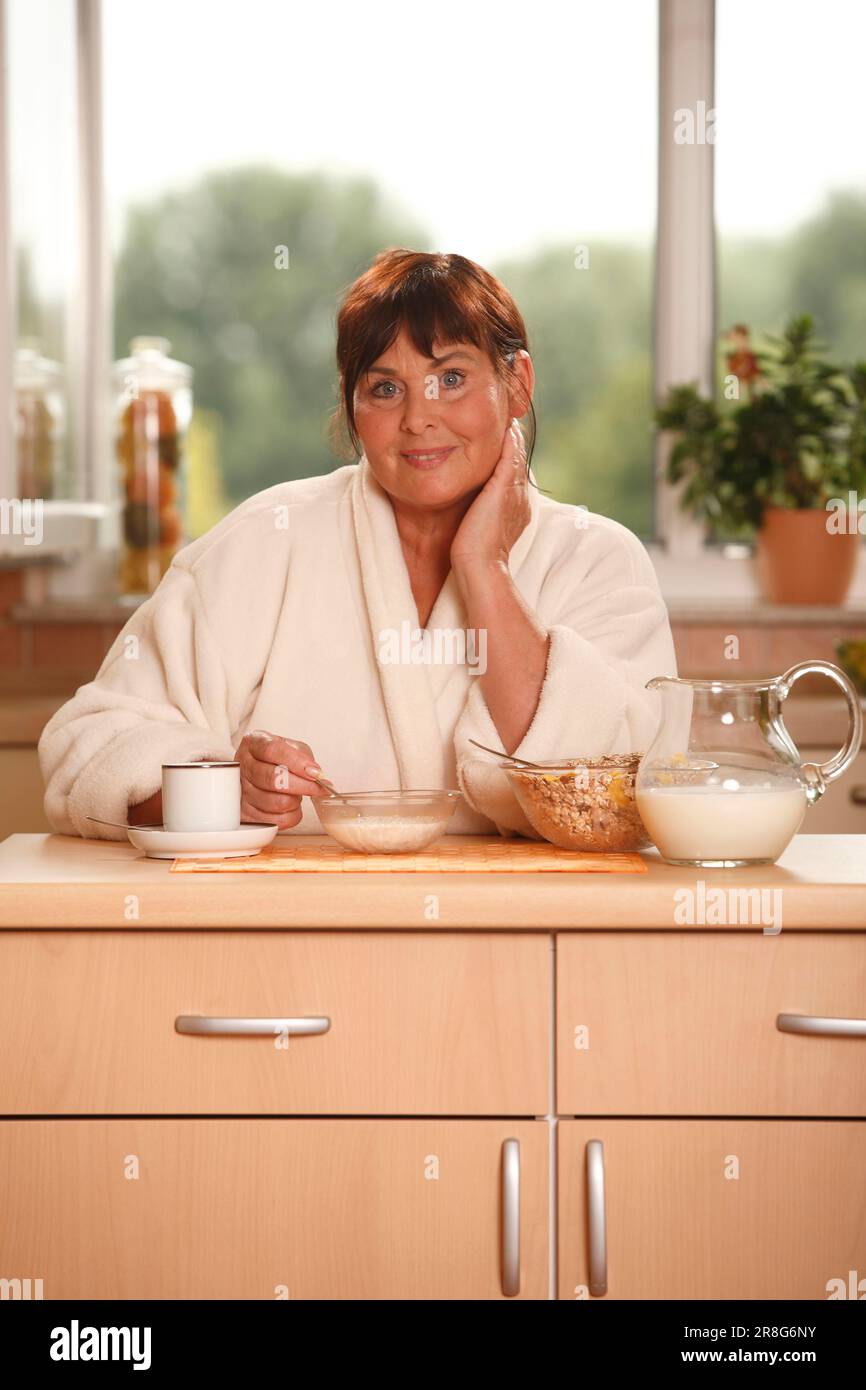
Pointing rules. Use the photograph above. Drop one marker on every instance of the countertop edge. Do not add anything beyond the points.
(399, 907)
(56, 883)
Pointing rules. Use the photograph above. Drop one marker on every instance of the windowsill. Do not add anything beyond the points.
(759, 612)
(755, 612)
(701, 584)
(691, 585)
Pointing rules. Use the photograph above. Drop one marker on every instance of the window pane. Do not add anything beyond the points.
(335, 131)
(791, 218)
(42, 125)
(791, 167)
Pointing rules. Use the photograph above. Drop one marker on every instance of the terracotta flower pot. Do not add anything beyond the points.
(799, 561)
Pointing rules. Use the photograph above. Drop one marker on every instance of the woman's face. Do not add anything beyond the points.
(407, 406)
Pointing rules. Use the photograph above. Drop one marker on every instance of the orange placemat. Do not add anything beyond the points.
(497, 856)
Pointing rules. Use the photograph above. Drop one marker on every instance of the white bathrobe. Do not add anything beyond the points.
(295, 614)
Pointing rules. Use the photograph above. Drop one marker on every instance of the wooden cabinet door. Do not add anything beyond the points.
(711, 1209)
(271, 1208)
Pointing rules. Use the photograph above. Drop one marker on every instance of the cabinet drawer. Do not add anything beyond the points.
(711, 1209)
(269, 1209)
(415, 1024)
(685, 1023)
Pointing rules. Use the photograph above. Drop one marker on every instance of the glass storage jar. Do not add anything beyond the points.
(153, 407)
(40, 423)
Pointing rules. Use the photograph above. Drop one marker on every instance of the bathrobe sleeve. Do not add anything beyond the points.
(158, 697)
(609, 634)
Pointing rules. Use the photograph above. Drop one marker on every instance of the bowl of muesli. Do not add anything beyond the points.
(583, 803)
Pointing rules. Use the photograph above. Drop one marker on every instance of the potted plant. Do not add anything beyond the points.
(781, 461)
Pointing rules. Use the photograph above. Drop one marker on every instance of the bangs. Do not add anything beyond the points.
(429, 314)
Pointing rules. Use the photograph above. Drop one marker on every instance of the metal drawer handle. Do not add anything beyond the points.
(249, 1027)
(510, 1217)
(597, 1221)
(828, 1027)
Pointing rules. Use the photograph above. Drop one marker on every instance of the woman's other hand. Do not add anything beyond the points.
(499, 513)
(273, 778)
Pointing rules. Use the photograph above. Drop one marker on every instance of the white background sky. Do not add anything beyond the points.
(499, 125)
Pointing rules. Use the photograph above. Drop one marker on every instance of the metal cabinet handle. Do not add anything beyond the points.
(828, 1027)
(510, 1217)
(597, 1221)
(249, 1027)
(858, 795)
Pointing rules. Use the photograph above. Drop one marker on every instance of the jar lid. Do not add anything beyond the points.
(151, 367)
(31, 370)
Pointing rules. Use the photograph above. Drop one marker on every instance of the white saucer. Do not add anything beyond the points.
(251, 837)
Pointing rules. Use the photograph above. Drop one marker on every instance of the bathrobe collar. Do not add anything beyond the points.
(411, 688)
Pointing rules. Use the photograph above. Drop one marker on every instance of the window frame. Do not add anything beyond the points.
(8, 311)
(684, 318)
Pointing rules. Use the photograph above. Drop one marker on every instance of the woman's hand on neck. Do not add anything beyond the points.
(428, 534)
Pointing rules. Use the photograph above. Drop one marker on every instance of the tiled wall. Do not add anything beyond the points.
(764, 649)
(11, 642)
(40, 655)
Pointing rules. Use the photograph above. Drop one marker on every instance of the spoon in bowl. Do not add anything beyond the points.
(521, 762)
(328, 786)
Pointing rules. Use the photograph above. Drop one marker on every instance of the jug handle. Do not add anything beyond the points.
(819, 774)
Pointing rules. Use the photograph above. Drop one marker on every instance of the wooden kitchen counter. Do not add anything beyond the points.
(290, 1060)
(56, 881)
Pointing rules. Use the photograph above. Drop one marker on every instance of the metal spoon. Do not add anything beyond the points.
(328, 786)
(523, 762)
(123, 825)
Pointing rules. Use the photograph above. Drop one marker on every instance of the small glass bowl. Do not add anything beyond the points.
(389, 822)
(583, 803)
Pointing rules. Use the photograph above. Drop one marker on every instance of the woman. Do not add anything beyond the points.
(368, 624)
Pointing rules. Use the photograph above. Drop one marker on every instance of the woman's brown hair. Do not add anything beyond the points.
(436, 296)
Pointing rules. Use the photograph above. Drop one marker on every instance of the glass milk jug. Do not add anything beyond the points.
(722, 784)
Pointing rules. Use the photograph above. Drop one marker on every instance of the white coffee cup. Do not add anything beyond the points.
(201, 796)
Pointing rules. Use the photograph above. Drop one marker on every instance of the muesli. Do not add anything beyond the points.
(584, 803)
